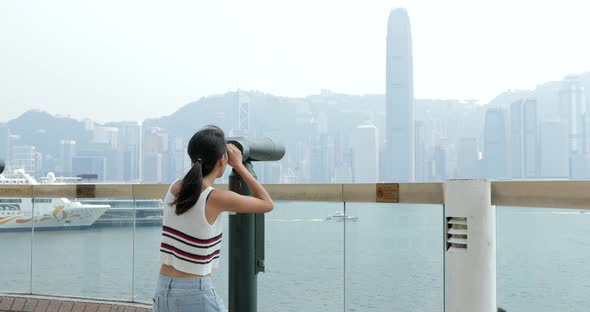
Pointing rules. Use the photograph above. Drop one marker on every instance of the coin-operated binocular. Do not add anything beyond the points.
(258, 149)
(246, 230)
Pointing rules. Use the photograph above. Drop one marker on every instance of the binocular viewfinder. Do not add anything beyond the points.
(263, 149)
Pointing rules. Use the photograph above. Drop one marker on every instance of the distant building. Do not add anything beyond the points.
(468, 163)
(113, 167)
(439, 170)
(580, 167)
(572, 104)
(399, 100)
(271, 172)
(495, 144)
(365, 154)
(289, 177)
(547, 96)
(319, 162)
(176, 160)
(155, 145)
(153, 168)
(420, 162)
(28, 158)
(243, 115)
(586, 134)
(524, 139)
(88, 165)
(129, 148)
(4, 142)
(554, 155)
(67, 151)
(343, 174)
(107, 136)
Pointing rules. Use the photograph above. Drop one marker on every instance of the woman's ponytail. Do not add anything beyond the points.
(190, 191)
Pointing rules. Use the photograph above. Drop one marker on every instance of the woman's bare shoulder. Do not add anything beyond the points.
(175, 189)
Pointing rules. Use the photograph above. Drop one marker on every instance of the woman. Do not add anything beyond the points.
(191, 231)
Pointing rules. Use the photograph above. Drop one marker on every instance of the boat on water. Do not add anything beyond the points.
(126, 211)
(122, 211)
(339, 216)
(44, 213)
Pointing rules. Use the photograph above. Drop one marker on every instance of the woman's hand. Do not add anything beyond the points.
(234, 156)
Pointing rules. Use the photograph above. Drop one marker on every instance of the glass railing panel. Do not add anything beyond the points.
(148, 232)
(304, 258)
(394, 257)
(542, 259)
(15, 244)
(83, 248)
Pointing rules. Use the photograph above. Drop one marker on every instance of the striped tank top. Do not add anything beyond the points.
(189, 243)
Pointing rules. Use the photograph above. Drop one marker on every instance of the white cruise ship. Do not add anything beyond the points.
(50, 213)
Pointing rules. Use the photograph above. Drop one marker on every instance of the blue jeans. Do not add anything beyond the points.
(186, 295)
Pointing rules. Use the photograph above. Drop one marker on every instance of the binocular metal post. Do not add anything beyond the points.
(246, 250)
(246, 230)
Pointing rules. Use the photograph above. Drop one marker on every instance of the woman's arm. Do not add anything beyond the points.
(259, 202)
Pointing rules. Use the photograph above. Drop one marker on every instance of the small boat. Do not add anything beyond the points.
(340, 217)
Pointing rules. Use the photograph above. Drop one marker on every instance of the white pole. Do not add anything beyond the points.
(470, 247)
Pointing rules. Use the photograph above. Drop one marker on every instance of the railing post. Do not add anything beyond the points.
(470, 247)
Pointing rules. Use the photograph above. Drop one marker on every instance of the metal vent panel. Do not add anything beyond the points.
(457, 234)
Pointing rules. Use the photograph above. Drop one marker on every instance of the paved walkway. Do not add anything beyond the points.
(49, 304)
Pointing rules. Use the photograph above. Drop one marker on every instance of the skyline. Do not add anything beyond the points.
(490, 142)
(167, 55)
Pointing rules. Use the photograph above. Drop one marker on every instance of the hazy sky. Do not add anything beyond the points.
(116, 60)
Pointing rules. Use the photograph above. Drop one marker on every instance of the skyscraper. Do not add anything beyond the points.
(524, 139)
(365, 154)
(554, 144)
(399, 92)
(320, 170)
(420, 164)
(495, 145)
(240, 115)
(572, 109)
(90, 165)
(155, 145)
(439, 163)
(67, 151)
(4, 143)
(468, 164)
(176, 159)
(129, 149)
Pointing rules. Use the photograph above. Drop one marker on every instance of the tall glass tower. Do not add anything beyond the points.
(399, 93)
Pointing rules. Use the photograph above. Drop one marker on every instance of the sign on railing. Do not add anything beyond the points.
(387, 193)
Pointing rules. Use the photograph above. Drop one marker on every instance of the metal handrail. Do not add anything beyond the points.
(554, 194)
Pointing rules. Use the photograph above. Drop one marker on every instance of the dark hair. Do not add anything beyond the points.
(204, 149)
